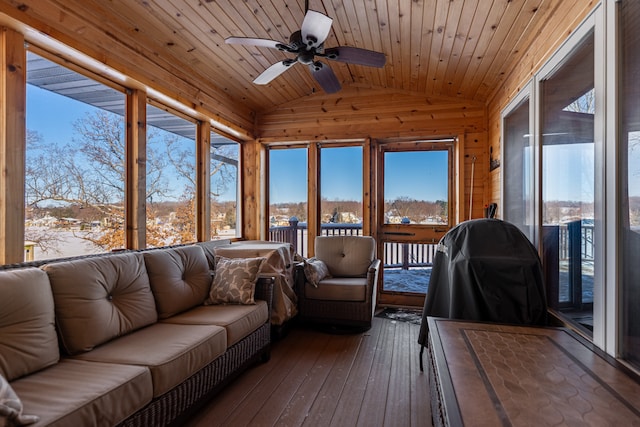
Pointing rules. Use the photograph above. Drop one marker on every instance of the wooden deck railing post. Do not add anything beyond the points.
(405, 256)
(293, 233)
(574, 231)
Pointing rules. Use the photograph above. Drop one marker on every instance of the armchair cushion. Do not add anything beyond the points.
(346, 256)
(339, 289)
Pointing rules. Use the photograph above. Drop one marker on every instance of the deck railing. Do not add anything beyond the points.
(296, 233)
(580, 232)
(396, 255)
(406, 255)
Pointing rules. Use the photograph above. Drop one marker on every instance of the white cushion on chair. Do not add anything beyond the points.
(346, 256)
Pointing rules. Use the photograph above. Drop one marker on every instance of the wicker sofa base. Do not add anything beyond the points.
(438, 415)
(173, 407)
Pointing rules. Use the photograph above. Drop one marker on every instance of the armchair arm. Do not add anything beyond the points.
(372, 279)
(264, 291)
(298, 278)
(374, 268)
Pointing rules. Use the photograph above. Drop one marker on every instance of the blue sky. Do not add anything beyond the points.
(416, 175)
(53, 115)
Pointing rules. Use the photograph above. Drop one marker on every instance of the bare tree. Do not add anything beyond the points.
(90, 172)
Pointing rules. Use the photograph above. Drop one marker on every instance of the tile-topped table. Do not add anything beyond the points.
(485, 374)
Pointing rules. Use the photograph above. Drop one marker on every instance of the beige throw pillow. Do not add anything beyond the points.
(11, 406)
(234, 280)
(315, 270)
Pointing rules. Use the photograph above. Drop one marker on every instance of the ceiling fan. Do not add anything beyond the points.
(307, 44)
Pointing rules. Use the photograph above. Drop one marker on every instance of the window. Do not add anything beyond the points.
(416, 187)
(518, 167)
(171, 186)
(341, 190)
(225, 156)
(568, 184)
(629, 174)
(75, 163)
(288, 196)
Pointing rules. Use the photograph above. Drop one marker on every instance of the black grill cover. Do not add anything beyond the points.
(486, 270)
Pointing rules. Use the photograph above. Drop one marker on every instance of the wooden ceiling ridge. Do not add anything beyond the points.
(436, 50)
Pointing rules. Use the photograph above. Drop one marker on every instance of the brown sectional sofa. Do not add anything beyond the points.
(124, 338)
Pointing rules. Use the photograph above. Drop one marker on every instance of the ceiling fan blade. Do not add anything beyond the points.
(355, 55)
(315, 28)
(273, 71)
(249, 41)
(325, 77)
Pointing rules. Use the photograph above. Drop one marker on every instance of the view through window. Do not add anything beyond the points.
(568, 184)
(171, 174)
(288, 196)
(341, 190)
(517, 167)
(629, 173)
(225, 163)
(75, 169)
(74, 191)
(416, 187)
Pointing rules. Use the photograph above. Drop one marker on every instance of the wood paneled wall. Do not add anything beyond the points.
(556, 30)
(356, 113)
(378, 114)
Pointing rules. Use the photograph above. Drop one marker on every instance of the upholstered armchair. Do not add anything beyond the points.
(337, 286)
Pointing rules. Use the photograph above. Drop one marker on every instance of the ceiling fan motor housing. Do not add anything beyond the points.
(306, 44)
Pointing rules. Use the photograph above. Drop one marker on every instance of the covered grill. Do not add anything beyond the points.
(486, 270)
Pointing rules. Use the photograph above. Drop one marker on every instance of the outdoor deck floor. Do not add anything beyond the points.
(320, 379)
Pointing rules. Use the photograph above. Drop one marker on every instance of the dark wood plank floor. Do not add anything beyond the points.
(320, 379)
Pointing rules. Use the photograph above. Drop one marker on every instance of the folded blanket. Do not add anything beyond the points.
(11, 407)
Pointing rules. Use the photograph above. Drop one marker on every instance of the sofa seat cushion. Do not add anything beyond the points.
(238, 320)
(180, 278)
(101, 298)
(171, 352)
(338, 289)
(80, 393)
(28, 340)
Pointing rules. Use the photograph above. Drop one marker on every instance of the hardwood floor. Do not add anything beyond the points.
(320, 379)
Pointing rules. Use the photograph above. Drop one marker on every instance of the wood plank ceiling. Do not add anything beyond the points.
(453, 48)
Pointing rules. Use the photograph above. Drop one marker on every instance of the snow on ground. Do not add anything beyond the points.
(68, 244)
(412, 280)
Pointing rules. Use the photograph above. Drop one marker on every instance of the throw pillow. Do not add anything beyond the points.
(315, 270)
(234, 280)
(11, 406)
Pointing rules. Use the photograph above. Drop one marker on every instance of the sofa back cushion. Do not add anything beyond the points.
(101, 298)
(210, 247)
(346, 256)
(180, 278)
(28, 340)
